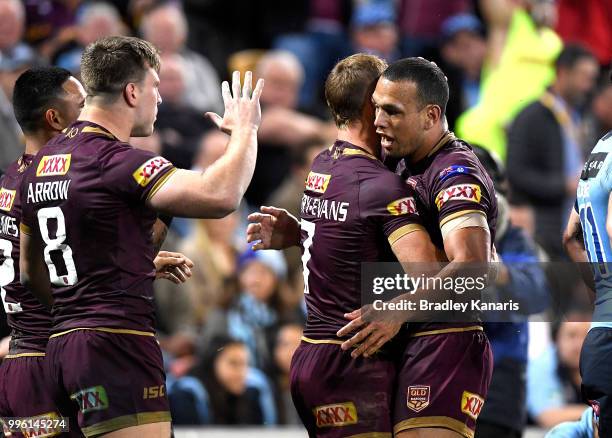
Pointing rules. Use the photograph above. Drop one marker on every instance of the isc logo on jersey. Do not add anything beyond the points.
(51, 165)
(340, 414)
(317, 182)
(402, 206)
(145, 173)
(471, 404)
(7, 197)
(459, 192)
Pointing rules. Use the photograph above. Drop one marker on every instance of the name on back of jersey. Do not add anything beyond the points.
(48, 191)
(8, 226)
(324, 208)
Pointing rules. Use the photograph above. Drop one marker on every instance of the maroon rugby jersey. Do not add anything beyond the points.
(352, 209)
(450, 182)
(29, 320)
(84, 196)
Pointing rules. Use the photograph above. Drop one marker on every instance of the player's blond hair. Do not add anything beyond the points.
(350, 85)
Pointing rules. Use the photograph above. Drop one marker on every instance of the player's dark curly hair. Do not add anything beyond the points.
(431, 83)
(37, 90)
(110, 63)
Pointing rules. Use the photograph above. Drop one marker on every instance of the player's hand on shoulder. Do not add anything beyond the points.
(173, 266)
(241, 105)
(273, 228)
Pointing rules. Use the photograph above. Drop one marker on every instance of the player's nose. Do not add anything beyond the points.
(380, 119)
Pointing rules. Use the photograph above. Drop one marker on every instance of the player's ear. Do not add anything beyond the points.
(130, 94)
(54, 119)
(433, 113)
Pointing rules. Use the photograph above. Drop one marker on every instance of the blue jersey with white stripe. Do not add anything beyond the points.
(592, 203)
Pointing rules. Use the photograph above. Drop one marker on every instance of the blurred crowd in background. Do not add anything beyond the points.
(529, 82)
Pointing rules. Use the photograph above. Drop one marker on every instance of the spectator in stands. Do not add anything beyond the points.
(252, 311)
(553, 378)
(596, 35)
(323, 41)
(521, 48)
(522, 280)
(283, 126)
(545, 148)
(600, 121)
(463, 50)
(287, 341)
(374, 30)
(421, 20)
(11, 67)
(94, 21)
(224, 390)
(180, 126)
(166, 27)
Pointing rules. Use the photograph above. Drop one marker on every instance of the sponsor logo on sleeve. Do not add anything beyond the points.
(471, 404)
(7, 197)
(593, 165)
(51, 165)
(340, 414)
(412, 182)
(418, 398)
(451, 171)
(459, 192)
(91, 399)
(402, 206)
(317, 182)
(151, 168)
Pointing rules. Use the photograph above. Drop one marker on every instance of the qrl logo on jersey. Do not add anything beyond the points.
(317, 182)
(471, 404)
(91, 399)
(51, 165)
(402, 206)
(460, 192)
(418, 398)
(7, 197)
(340, 414)
(145, 173)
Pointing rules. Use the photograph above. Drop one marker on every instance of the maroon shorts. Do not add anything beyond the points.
(338, 396)
(443, 380)
(25, 393)
(108, 380)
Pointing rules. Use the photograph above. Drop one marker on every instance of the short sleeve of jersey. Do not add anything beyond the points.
(133, 173)
(459, 189)
(386, 199)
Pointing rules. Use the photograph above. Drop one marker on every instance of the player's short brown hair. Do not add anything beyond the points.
(110, 63)
(350, 84)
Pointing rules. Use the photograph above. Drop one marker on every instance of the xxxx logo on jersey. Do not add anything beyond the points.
(471, 404)
(7, 197)
(459, 192)
(317, 182)
(402, 206)
(340, 414)
(51, 165)
(145, 173)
